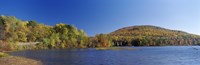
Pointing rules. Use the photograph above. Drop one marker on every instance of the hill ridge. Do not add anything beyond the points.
(145, 35)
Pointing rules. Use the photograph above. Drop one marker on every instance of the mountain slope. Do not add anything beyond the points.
(147, 35)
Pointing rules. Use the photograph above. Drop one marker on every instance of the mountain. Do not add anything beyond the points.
(147, 35)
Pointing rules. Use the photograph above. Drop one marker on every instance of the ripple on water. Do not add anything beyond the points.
(165, 55)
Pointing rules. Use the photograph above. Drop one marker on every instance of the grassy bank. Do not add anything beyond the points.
(3, 54)
(6, 59)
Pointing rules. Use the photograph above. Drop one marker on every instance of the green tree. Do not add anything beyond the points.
(32, 23)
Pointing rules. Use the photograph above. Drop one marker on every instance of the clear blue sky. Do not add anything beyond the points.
(104, 16)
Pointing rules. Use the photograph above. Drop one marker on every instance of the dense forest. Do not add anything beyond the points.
(19, 34)
(148, 35)
(15, 32)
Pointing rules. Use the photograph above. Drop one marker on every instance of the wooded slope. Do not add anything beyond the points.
(147, 35)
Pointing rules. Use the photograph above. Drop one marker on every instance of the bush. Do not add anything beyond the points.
(3, 54)
(5, 46)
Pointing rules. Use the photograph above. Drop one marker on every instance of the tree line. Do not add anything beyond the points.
(14, 31)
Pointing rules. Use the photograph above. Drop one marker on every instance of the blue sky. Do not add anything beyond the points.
(105, 16)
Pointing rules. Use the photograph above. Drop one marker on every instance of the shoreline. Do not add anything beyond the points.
(6, 59)
(14, 60)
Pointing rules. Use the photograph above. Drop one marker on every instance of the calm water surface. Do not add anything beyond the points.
(166, 55)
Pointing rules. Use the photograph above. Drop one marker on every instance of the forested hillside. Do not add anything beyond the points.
(147, 35)
(14, 31)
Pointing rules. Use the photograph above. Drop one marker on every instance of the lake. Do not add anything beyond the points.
(161, 55)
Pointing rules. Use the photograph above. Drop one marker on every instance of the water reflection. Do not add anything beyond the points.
(168, 55)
